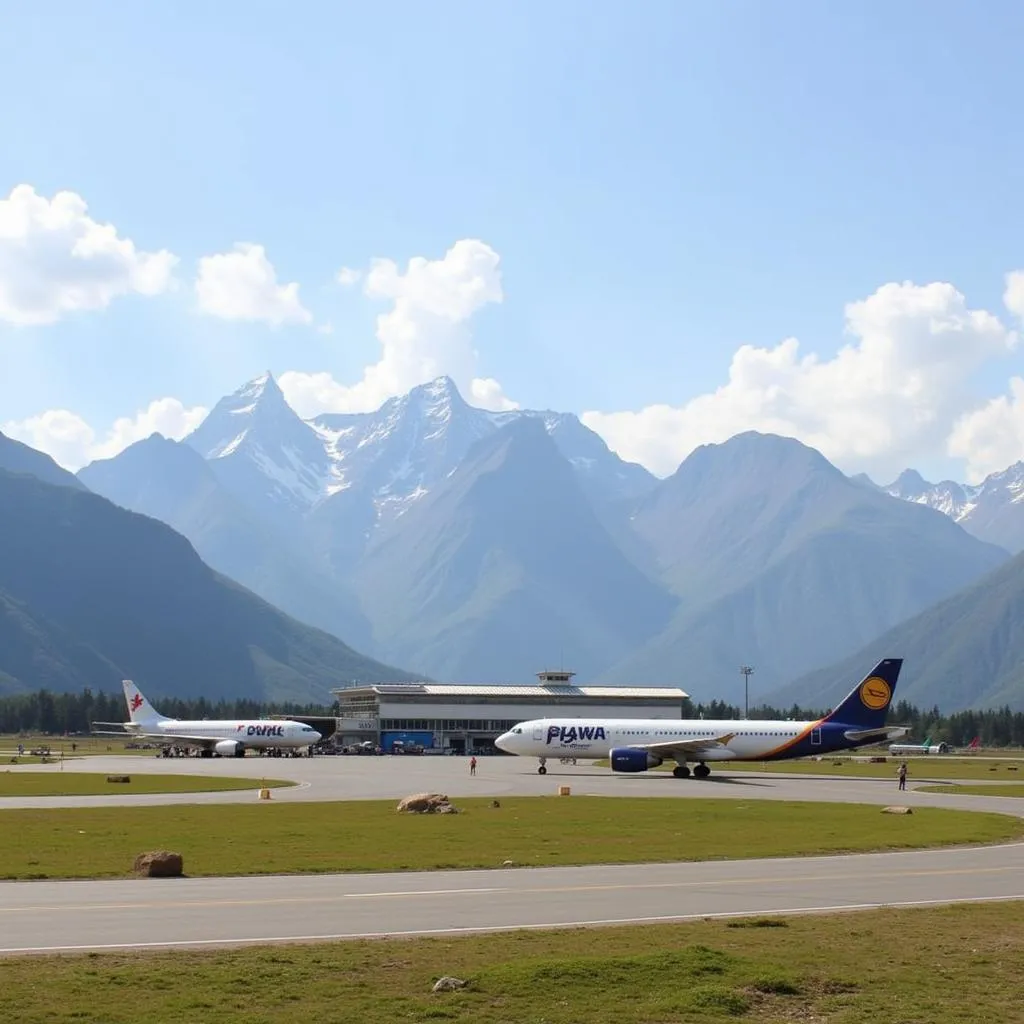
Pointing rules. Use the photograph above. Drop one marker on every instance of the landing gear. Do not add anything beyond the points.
(702, 771)
(681, 771)
(542, 770)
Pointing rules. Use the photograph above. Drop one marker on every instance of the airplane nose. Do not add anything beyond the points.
(504, 742)
(316, 737)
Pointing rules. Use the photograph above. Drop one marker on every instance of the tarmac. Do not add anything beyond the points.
(76, 916)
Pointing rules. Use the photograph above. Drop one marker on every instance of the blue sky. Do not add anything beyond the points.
(662, 183)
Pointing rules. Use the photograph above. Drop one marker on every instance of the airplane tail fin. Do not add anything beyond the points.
(139, 709)
(973, 745)
(868, 702)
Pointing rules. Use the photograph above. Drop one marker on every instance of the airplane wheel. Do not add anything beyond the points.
(542, 770)
(702, 771)
(681, 771)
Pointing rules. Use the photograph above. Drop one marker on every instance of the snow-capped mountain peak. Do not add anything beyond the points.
(391, 457)
(262, 450)
(990, 510)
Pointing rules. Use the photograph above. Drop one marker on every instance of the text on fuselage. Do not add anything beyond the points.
(567, 735)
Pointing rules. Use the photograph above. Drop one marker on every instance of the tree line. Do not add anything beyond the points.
(60, 713)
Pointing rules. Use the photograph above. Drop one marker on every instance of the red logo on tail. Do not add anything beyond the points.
(136, 702)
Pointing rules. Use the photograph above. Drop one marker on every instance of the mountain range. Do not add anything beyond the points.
(992, 510)
(91, 593)
(478, 546)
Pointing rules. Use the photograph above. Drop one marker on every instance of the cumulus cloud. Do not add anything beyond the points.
(885, 400)
(55, 259)
(486, 393)
(424, 334)
(73, 443)
(242, 285)
(991, 438)
(1014, 294)
(348, 277)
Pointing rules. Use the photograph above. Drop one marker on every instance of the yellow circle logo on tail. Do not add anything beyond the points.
(875, 693)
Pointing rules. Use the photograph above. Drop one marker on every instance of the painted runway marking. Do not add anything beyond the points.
(477, 929)
(473, 891)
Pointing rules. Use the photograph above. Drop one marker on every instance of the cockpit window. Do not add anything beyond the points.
(518, 731)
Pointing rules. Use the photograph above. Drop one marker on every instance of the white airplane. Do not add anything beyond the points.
(226, 738)
(927, 747)
(635, 745)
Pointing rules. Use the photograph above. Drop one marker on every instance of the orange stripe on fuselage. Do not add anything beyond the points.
(790, 743)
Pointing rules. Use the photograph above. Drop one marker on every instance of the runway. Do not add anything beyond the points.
(53, 917)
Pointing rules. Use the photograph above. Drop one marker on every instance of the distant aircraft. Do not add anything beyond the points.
(909, 749)
(635, 745)
(226, 738)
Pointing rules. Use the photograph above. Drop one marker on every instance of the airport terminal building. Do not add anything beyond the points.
(463, 718)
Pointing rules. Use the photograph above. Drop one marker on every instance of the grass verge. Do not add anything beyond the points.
(951, 965)
(268, 838)
(1003, 790)
(95, 784)
(70, 746)
(938, 768)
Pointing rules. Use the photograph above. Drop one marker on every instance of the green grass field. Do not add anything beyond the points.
(269, 838)
(939, 767)
(55, 783)
(952, 965)
(1004, 790)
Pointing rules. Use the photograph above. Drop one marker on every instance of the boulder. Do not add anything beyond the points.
(897, 810)
(447, 984)
(159, 864)
(424, 803)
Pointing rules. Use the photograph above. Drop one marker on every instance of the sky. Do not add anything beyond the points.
(677, 220)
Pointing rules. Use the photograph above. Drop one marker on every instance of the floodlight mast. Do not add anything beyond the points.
(746, 671)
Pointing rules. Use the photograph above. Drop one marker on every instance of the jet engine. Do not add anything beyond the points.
(630, 759)
(229, 748)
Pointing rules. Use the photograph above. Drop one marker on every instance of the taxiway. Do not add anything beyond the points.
(54, 917)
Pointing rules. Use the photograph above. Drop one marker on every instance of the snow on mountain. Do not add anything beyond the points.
(992, 510)
(404, 448)
(263, 452)
(392, 457)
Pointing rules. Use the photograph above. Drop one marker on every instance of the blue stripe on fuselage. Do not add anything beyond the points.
(831, 740)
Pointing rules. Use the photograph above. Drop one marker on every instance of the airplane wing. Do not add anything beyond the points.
(691, 747)
(164, 738)
(892, 732)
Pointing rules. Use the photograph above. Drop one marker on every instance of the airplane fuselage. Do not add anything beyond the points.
(250, 733)
(594, 739)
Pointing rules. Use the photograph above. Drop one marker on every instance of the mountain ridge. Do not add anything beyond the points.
(78, 574)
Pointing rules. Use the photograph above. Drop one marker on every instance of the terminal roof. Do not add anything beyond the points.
(511, 690)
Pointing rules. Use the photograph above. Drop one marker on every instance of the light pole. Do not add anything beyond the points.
(745, 671)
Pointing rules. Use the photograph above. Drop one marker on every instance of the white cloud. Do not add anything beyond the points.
(242, 285)
(991, 438)
(73, 443)
(55, 259)
(423, 335)
(348, 277)
(486, 393)
(1014, 294)
(885, 400)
